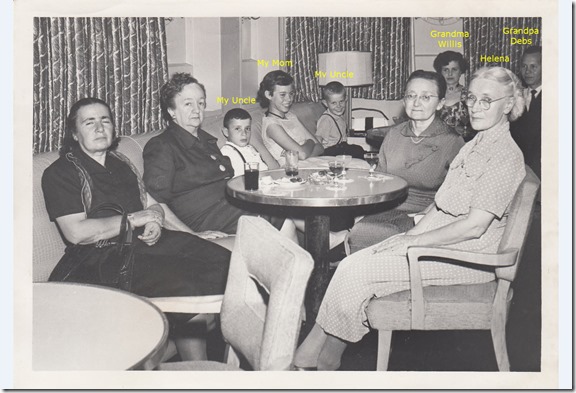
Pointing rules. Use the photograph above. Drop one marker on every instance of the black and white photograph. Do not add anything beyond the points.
(358, 191)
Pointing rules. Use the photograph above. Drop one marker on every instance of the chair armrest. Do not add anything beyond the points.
(505, 258)
(189, 304)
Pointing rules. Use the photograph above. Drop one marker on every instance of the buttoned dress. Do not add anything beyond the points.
(422, 161)
(484, 175)
(189, 174)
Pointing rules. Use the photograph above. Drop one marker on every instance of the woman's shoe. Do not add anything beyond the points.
(298, 368)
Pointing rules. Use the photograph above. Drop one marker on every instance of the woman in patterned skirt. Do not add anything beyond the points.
(469, 213)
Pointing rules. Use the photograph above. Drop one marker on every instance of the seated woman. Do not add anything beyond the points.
(89, 173)
(183, 166)
(281, 129)
(451, 65)
(469, 213)
(420, 151)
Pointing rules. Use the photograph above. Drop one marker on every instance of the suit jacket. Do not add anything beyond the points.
(527, 133)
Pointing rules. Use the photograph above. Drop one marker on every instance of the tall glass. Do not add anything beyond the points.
(251, 175)
(372, 160)
(346, 160)
(291, 166)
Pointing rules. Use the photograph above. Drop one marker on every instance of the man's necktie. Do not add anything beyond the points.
(533, 92)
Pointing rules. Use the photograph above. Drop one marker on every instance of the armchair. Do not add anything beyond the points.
(261, 310)
(460, 307)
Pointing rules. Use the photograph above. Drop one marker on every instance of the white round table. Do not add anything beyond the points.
(87, 327)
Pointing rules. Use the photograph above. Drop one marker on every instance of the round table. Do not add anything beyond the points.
(87, 327)
(360, 191)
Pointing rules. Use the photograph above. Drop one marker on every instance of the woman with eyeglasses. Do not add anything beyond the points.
(469, 213)
(418, 150)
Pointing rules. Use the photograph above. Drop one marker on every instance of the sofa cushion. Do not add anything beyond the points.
(48, 246)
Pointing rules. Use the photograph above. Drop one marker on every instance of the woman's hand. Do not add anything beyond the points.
(208, 235)
(397, 244)
(152, 233)
(143, 217)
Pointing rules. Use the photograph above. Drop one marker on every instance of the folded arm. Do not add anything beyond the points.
(310, 148)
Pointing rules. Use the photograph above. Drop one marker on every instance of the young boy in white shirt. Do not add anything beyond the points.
(237, 123)
(331, 128)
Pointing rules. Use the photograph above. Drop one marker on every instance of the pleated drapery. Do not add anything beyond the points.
(119, 60)
(488, 37)
(387, 38)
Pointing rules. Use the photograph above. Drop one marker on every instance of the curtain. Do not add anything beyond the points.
(494, 41)
(387, 38)
(119, 60)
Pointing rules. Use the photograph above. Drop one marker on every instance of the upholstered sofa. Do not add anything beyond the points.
(48, 246)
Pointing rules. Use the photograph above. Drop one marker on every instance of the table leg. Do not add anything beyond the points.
(317, 244)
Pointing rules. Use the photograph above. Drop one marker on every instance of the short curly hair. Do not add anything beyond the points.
(174, 86)
(271, 80)
(444, 58)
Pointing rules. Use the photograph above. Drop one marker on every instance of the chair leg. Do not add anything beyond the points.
(230, 356)
(384, 341)
(498, 332)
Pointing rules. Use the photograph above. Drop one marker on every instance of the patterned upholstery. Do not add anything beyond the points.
(48, 246)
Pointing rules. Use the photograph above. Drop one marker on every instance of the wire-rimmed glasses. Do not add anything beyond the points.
(484, 102)
(424, 98)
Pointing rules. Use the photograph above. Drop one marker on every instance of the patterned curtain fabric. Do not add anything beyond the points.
(387, 38)
(495, 42)
(119, 60)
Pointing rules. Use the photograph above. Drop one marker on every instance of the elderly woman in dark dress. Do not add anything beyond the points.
(89, 173)
(183, 166)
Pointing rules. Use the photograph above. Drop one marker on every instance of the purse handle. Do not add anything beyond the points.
(125, 236)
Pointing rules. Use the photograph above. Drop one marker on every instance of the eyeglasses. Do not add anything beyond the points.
(484, 102)
(412, 97)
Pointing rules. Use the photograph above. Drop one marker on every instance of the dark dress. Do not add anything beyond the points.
(189, 174)
(180, 264)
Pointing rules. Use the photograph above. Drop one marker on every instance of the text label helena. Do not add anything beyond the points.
(494, 59)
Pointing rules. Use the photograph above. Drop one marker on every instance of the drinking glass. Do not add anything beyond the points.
(372, 160)
(291, 166)
(346, 160)
(336, 167)
(251, 175)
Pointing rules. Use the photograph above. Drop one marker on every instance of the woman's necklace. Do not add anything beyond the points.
(274, 114)
(415, 140)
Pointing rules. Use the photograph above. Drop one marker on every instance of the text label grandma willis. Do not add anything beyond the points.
(449, 39)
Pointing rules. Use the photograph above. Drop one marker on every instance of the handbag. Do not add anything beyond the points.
(107, 262)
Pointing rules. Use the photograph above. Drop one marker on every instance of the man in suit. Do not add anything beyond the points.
(526, 131)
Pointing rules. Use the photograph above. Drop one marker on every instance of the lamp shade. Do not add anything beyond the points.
(350, 68)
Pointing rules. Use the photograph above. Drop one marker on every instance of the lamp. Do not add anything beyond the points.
(351, 68)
